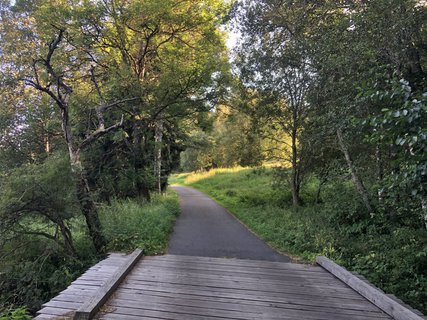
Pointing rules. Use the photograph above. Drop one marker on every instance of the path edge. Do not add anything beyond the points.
(91, 307)
(387, 303)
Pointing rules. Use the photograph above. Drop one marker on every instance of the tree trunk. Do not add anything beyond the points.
(295, 178)
(158, 137)
(68, 238)
(380, 173)
(87, 206)
(354, 175)
(138, 160)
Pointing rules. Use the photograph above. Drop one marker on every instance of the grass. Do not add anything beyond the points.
(392, 256)
(128, 224)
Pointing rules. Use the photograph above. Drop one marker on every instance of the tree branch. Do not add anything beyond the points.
(100, 132)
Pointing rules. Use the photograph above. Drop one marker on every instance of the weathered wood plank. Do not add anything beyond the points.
(141, 307)
(371, 293)
(88, 310)
(232, 269)
(192, 260)
(135, 314)
(207, 274)
(199, 288)
(253, 286)
(241, 305)
(261, 295)
(255, 297)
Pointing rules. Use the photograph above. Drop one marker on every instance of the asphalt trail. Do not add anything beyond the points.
(206, 229)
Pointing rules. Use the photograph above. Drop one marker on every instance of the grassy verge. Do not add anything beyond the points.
(128, 224)
(390, 255)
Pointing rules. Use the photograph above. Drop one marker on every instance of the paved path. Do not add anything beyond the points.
(206, 229)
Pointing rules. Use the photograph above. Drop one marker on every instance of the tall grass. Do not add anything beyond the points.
(129, 224)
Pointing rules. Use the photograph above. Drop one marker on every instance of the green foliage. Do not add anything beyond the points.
(102, 75)
(36, 269)
(231, 139)
(36, 200)
(402, 125)
(389, 254)
(16, 314)
(129, 225)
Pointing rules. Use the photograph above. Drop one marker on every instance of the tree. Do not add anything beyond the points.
(116, 66)
(274, 60)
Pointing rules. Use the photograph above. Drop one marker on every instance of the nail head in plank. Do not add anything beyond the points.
(88, 310)
(373, 294)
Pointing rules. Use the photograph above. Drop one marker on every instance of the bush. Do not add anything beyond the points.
(36, 272)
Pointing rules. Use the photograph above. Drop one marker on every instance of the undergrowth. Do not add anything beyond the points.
(128, 225)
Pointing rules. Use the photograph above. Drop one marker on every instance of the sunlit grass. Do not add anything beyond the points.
(193, 177)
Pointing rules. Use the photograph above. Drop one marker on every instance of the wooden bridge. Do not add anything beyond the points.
(202, 288)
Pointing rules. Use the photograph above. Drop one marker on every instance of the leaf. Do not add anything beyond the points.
(398, 141)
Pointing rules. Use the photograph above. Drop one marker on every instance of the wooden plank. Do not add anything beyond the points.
(371, 293)
(254, 294)
(135, 314)
(62, 304)
(62, 312)
(88, 310)
(72, 297)
(228, 311)
(50, 317)
(251, 286)
(192, 260)
(266, 278)
(241, 305)
(256, 297)
(222, 268)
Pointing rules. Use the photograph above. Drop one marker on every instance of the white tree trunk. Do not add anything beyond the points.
(158, 138)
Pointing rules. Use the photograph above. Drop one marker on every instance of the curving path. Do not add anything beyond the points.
(206, 229)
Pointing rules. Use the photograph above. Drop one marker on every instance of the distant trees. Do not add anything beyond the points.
(229, 138)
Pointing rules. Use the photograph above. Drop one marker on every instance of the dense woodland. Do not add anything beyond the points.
(102, 100)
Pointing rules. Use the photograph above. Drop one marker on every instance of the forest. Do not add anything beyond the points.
(102, 100)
